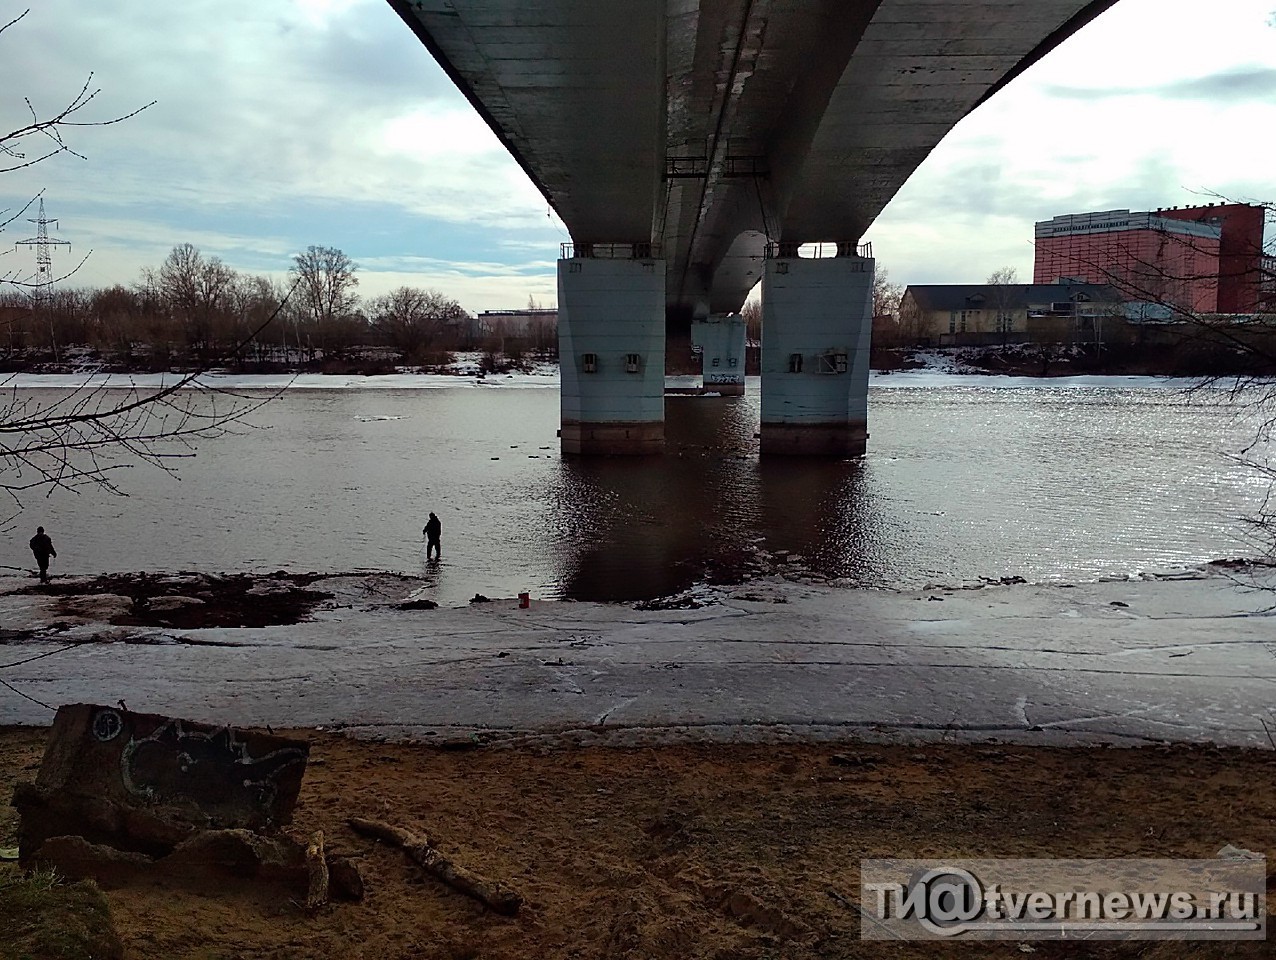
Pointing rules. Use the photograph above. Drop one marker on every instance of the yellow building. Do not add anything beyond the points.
(972, 314)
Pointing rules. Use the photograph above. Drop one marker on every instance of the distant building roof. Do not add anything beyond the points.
(526, 312)
(1010, 296)
(1117, 221)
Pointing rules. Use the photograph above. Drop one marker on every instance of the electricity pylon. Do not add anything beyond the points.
(42, 288)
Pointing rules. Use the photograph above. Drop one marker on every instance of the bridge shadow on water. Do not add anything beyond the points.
(708, 509)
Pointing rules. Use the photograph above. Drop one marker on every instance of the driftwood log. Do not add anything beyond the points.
(494, 894)
(317, 865)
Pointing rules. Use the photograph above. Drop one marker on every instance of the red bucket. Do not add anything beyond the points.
(524, 601)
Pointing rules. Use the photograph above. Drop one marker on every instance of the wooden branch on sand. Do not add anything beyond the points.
(317, 864)
(494, 894)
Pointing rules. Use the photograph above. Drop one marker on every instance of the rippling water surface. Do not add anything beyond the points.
(962, 481)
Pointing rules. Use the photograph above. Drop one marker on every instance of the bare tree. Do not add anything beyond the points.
(326, 279)
(253, 301)
(914, 326)
(752, 313)
(542, 329)
(1003, 276)
(412, 320)
(886, 295)
(197, 292)
(1002, 281)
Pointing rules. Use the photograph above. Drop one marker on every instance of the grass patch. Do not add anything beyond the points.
(42, 918)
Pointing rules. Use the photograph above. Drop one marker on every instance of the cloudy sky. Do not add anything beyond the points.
(282, 123)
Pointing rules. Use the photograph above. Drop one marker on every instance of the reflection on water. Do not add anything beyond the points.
(960, 482)
(702, 512)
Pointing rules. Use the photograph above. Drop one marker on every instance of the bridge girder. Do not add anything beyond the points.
(709, 127)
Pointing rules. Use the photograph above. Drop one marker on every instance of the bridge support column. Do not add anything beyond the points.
(611, 347)
(721, 340)
(817, 318)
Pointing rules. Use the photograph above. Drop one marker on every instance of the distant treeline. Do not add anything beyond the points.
(195, 311)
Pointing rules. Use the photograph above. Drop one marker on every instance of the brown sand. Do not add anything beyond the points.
(701, 851)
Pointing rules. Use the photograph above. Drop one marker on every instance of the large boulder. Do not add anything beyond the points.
(145, 782)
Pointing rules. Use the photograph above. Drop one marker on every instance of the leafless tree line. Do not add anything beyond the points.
(194, 311)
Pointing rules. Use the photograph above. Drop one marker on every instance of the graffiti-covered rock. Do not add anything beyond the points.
(146, 782)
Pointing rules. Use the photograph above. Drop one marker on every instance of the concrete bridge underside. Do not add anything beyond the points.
(677, 139)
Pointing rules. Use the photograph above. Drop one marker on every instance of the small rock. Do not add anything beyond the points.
(1230, 852)
(417, 605)
(1118, 603)
(169, 604)
(77, 859)
(239, 853)
(269, 589)
(748, 911)
(479, 598)
(345, 878)
(850, 760)
(457, 744)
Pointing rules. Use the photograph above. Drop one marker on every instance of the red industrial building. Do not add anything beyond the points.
(1203, 259)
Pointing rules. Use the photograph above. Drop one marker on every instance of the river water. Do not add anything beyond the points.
(966, 477)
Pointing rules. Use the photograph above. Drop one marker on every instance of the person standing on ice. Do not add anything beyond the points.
(433, 530)
(42, 547)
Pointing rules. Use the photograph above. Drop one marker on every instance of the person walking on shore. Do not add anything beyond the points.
(42, 547)
(433, 530)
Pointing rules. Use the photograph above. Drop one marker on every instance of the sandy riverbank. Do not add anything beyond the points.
(709, 851)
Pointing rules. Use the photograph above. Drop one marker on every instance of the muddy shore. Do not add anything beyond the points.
(1185, 656)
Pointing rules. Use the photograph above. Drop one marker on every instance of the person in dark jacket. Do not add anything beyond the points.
(433, 530)
(42, 547)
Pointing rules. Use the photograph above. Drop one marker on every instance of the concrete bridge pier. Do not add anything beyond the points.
(611, 342)
(817, 318)
(721, 340)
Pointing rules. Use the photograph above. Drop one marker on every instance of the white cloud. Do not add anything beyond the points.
(270, 111)
(475, 292)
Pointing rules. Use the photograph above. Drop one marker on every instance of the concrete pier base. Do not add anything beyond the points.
(721, 342)
(611, 342)
(849, 439)
(816, 325)
(612, 439)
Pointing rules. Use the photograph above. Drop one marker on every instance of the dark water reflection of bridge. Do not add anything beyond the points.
(708, 509)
